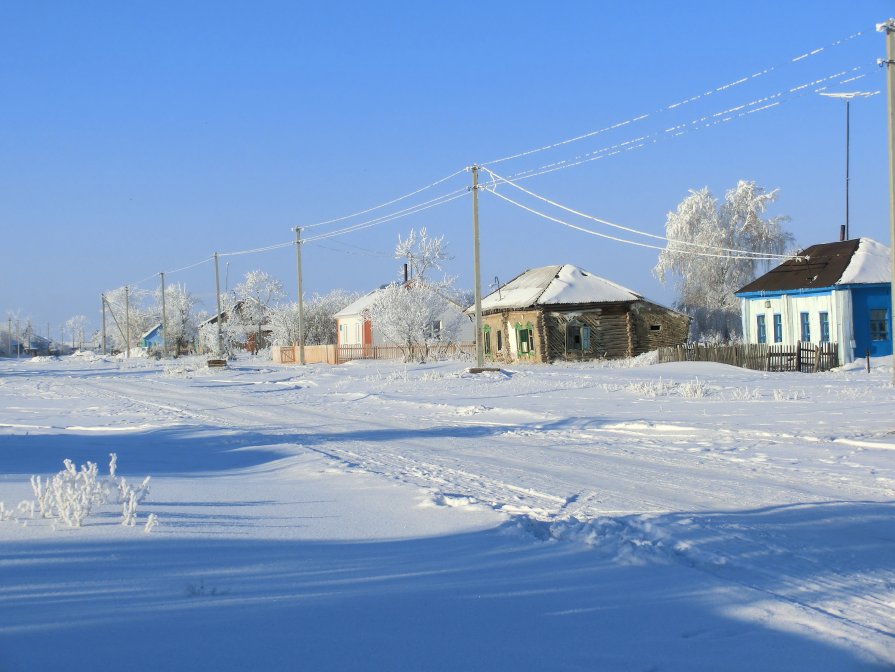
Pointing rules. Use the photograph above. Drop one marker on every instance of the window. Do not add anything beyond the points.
(500, 340)
(824, 327)
(762, 330)
(806, 327)
(526, 340)
(486, 339)
(435, 330)
(655, 327)
(778, 328)
(578, 337)
(879, 325)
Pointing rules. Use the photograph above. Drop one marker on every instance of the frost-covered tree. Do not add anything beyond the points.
(319, 321)
(76, 326)
(706, 284)
(181, 322)
(254, 298)
(422, 253)
(126, 309)
(417, 317)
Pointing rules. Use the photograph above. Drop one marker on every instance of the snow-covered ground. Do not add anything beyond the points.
(377, 516)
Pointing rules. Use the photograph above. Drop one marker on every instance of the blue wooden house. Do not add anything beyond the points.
(154, 338)
(834, 292)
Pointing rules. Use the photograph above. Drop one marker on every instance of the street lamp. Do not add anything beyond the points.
(847, 97)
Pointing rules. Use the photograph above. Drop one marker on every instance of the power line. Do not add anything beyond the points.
(441, 200)
(680, 103)
(739, 254)
(387, 203)
(706, 121)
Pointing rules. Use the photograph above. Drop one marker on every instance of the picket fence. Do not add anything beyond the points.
(802, 357)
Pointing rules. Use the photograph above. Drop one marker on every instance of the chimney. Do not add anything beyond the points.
(842, 232)
(405, 274)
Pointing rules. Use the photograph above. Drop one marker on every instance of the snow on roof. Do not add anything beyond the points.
(158, 325)
(360, 305)
(846, 262)
(869, 264)
(550, 285)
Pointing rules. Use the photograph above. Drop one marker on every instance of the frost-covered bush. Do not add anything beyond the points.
(693, 390)
(745, 394)
(788, 395)
(651, 388)
(73, 494)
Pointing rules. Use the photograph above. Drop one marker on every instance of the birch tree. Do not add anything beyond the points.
(706, 284)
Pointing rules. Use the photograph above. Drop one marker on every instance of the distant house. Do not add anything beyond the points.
(833, 292)
(250, 335)
(565, 313)
(354, 325)
(154, 338)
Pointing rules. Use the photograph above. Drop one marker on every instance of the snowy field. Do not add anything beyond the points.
(376, 516)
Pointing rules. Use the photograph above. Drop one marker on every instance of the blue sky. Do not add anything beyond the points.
(142, 137)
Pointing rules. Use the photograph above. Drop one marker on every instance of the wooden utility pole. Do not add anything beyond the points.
(217, 285)
(479, 345)
(888, 27)
(164, 320)
(301, 311)
(127, 322)
(102, 298)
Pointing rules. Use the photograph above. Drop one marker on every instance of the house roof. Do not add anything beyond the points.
(358, 306)
(556, 285)
(848, 262)
(151, 331)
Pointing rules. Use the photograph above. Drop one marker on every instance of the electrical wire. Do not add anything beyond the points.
(739, 254)
(268, 248)
(387, 203)
(687, 101)
(706, 121)
(441, 200)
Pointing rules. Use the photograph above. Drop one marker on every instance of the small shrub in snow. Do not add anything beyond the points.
(72, 494)
(151, 522)
(693, 390)
(651, 388)
(746, 394)
(788, 395)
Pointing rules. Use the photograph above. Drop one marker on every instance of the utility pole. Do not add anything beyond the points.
(127, 322)
(217, 285)
(301, 322)
(479, 345)
(102, 298)
(18, 340)
(164, 320)
(888, 27)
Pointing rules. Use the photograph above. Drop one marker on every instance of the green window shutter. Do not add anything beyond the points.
(585, 338)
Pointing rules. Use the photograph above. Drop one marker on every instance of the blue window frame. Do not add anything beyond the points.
(879, 324)
(778, 328)
(762, 330)
(824, 327)
(806, 327)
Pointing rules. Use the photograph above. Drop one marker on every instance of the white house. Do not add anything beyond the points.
(354, 326)
(834, 292)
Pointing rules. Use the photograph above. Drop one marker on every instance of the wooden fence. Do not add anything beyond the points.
(331, 354)
(803, 357)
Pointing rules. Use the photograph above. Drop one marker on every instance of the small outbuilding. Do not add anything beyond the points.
(828, 293)
(557, 313)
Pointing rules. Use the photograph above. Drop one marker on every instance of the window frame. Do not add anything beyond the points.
(805, 326)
